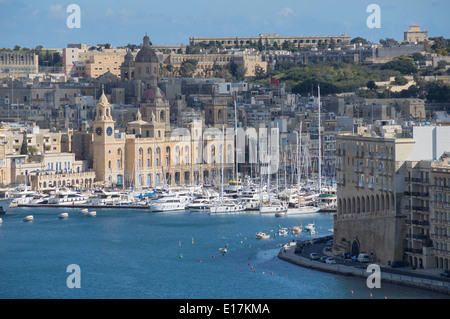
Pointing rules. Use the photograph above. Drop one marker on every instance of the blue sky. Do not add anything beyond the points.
(29, 23)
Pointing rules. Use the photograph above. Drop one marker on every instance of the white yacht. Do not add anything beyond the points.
(68, 197)
(226, 207)
(199, 205)
(173, 203)
(21, 196)
(273, 208)
(104, 197)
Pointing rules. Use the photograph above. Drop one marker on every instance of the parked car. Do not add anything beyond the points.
(445, 273)
(314, 256)
(323, 259)
(330, 260)
(363, 258)
(354, 258)
(327, 248)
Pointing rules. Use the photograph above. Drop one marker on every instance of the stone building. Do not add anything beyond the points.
(17, 63)
(414, 34)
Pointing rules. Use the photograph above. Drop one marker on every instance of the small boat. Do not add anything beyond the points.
(83, 211)
(297, 229)
(1, 221)
(223, 250)
(309, 228)
(28, 218)
(91, 214)
(63, 216)
(262, 235)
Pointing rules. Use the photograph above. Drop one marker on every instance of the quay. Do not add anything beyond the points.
(428, 279)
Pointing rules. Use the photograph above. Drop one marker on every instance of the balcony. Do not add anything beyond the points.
(417, 208)
(416, 194)
(420, 222)
(443, 205)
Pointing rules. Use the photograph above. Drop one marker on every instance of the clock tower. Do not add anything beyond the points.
(103, 139)
(103, 123)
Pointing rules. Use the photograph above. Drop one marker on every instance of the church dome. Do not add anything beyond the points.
(146, 53)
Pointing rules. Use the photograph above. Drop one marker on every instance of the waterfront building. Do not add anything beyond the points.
(382, 197)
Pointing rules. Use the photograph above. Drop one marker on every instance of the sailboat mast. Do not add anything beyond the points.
(320, 146)
(235, 139)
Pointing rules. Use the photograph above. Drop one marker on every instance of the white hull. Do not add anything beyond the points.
(167, 207)
(302, 210)
(272, 209)
(69, 202)
(226, 209)
(91, 214)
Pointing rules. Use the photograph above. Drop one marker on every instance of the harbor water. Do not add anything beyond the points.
(126, 253)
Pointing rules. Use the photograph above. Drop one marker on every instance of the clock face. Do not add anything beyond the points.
(99, 131)
(109, 131)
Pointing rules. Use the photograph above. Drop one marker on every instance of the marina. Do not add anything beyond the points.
(131, 253)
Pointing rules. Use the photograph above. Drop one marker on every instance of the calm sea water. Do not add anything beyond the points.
(136, 254)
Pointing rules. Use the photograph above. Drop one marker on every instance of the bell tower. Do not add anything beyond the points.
(103, 123)
(103, 139)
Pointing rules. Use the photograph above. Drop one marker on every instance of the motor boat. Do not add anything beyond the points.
(68, 197)
(297, 229)
(199, 205)
(262, 235)
(226, 207)
(283, 232)
(310, 228)
(83, 211)
(167, 204)
(274, 207)
(39, 199)
(21, 196)
(91, 214)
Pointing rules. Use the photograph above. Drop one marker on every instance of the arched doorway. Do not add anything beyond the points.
(355, 248)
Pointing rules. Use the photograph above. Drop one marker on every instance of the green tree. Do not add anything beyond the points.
(371, 85)
(400, 80)
(405, 65)
(359, 40)
(188, 67)
(24, 147)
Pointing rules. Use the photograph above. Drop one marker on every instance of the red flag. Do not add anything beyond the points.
(274, 81)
